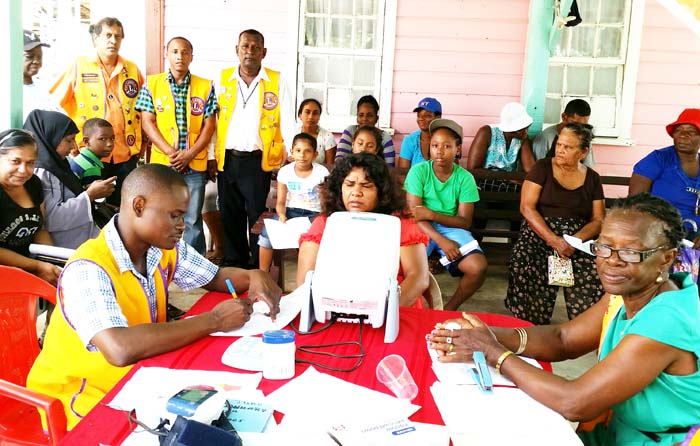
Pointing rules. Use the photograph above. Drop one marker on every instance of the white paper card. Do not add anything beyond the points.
(286, 235)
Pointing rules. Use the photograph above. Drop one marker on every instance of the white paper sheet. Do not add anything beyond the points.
(317, 399)
(458, 372)
(394, 432)
(286, 235)
(477, 419)
(290, 306)
(579, 244)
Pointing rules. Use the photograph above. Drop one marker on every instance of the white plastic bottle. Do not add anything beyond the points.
(278, 354)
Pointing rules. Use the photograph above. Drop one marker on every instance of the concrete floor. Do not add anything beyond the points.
(489, 299)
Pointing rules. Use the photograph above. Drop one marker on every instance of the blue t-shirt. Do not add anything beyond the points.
(670, 182)
(410, 148)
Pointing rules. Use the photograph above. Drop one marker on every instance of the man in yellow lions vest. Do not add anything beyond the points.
(179, 116)
(256, 116)
(110, 311)
(106, 85)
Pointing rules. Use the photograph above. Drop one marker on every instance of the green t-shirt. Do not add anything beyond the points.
(441, 197)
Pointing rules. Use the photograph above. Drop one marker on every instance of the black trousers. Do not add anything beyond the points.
(243, 188)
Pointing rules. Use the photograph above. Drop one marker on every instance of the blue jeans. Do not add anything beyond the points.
(194, 230)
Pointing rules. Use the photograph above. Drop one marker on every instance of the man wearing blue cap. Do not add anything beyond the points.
(415, 147)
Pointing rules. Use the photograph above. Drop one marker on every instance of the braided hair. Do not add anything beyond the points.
(658, 208)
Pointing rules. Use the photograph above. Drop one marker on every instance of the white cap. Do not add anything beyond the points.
(514, 117)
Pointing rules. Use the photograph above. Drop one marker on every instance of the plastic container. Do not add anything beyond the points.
(278, 354)
(393, 373)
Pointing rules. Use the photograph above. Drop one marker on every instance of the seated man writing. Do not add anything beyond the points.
(114, 290)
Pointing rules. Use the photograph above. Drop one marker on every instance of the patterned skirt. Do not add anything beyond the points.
(529, 296)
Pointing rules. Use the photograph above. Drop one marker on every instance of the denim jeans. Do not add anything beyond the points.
(194, 230)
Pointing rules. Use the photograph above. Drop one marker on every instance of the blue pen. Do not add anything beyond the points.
(231, 289)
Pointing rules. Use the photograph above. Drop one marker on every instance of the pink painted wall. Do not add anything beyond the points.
(470, 55)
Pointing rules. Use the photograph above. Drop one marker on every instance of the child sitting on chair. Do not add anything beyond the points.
(441, 195)
(98, 137)
(367, 139)
(297, 190)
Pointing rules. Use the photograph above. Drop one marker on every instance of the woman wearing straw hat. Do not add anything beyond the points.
(673, 173)
(504, 146)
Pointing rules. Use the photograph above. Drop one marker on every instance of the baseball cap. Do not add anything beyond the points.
(31, 41)
(429, 104)
(687, 116)
(514, 117)
(446, 123)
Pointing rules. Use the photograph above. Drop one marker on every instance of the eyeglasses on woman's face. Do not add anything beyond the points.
(624, 254)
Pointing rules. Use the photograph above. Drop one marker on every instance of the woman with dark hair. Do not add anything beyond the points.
(361, 182)
(645, 389)
(367, 114)
(309, 114)
(69, 216)
(560, 196)
(21, 206)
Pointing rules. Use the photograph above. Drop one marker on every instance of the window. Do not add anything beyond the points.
(593, 62)
(343, 55)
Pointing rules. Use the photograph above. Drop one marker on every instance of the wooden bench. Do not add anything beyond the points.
(505, 206)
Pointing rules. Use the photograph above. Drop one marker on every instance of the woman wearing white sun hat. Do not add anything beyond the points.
(504, 146)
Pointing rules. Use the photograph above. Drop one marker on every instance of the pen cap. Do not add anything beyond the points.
(278, 354)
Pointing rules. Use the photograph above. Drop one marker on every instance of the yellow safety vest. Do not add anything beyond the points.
(164, 105)
(65, 369)
(270, 130)
(91, 93)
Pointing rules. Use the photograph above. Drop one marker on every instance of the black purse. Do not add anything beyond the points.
(102, 213)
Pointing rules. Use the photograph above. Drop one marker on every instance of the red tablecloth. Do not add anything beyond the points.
(106, 426)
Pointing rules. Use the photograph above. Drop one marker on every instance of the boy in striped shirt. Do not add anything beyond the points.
(98, 137)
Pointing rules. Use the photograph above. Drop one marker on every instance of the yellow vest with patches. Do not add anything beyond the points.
(164, 104)
(65, 369)
(270, 130)
(90, 99)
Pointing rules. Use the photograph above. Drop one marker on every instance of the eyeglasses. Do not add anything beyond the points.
(624, 254)
(14, 133)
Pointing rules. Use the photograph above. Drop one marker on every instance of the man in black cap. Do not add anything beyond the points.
(35, 95)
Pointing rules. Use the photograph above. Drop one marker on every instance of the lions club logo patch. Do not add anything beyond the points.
(131, 88)
(270, 101)
(196, 106)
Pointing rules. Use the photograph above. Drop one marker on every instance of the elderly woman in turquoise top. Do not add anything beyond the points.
(645, 389)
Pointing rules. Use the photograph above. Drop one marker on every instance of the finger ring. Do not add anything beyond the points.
(450, 348)
(448, 340)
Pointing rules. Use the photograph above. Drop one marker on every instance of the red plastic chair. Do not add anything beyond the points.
(20, 423)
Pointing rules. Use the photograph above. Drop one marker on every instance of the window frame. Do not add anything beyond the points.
(630, 68)
(295, 65)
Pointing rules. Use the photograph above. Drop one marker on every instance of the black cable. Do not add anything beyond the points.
(311, 349)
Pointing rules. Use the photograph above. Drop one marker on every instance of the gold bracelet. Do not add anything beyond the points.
(522, 335)
(502, 358)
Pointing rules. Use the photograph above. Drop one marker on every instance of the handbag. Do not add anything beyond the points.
(102, 213)
(560, 271)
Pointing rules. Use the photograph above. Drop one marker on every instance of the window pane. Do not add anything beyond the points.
(364, 73)
(612, 11)
(577, 80)
(603, 111)
(313, 93)
(563, 46)
(555, 79)
(589, 9)
(605, 80)
(366, 7)
(339, 71)
(341, 7)
(341, 33)
(339, 103)
(582, 41)
(365, 34)
(315, 69)
(552, 110)
(315, 34)
(316, 6)
(609, 45)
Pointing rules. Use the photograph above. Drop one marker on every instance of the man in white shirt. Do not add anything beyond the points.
(256, 116)
(34, 94)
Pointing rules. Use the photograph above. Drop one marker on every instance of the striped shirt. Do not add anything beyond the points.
(89, 302)
(86, 166)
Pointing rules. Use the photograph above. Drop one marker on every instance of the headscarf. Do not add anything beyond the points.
(49, 128)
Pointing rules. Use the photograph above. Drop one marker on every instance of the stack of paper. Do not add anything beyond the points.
(477, 419)
(286, 235)
(249, 416)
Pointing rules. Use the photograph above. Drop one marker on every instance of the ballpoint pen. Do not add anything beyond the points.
(231, 289)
